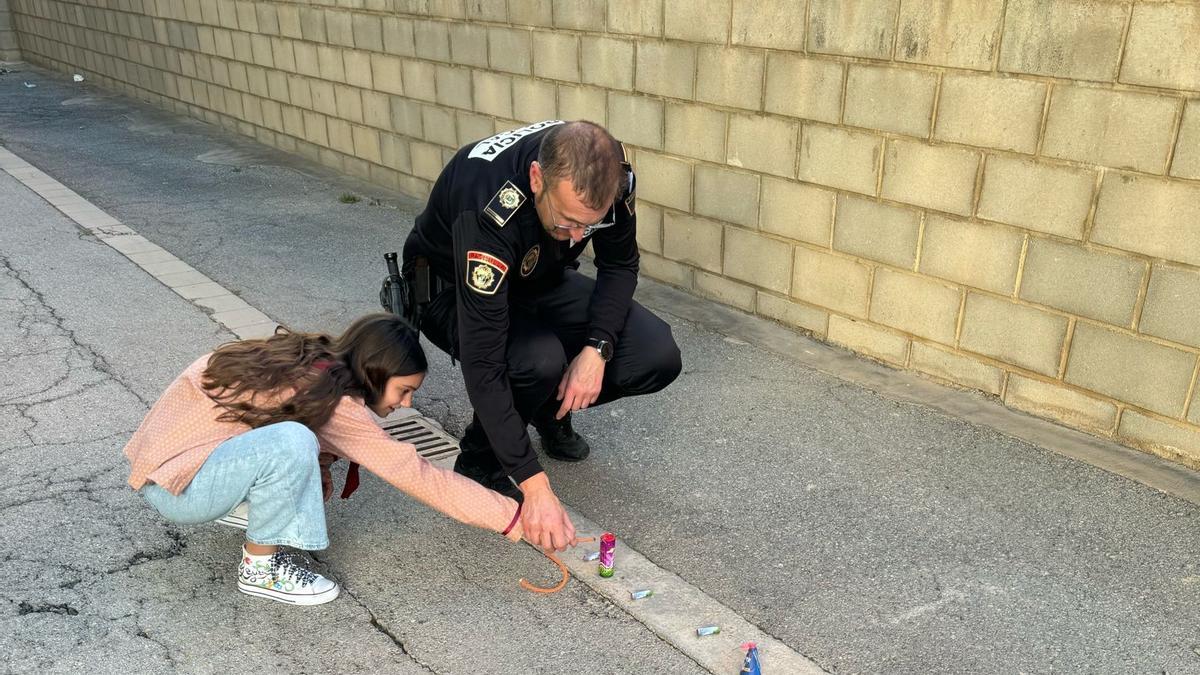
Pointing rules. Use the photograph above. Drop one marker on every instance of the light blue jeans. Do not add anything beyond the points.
(274, 468)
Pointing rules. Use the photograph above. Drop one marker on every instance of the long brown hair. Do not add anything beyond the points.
(322, 369)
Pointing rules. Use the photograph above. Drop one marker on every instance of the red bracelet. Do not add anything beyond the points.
(516, 517)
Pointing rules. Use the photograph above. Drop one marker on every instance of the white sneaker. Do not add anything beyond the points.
(238, 517)
(284, 577)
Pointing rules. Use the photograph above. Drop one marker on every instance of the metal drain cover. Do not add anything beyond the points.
(409, 426)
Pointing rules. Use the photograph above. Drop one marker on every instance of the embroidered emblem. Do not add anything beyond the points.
(485, 272)
(491, 147)
(504, 204)
(530, 260)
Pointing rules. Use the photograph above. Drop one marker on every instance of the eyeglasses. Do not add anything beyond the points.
(608, 221)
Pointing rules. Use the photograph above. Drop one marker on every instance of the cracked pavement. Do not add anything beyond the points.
(869, 534)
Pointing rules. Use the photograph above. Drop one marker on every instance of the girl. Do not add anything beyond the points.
(248, 421)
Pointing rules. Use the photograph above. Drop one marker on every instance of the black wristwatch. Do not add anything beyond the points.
(603, 346)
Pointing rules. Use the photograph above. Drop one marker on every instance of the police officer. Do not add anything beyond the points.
(505, 223)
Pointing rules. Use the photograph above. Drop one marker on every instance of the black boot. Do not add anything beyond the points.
(478, 462)
(559, 440)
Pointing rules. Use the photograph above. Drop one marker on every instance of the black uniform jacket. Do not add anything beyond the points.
(481, 233)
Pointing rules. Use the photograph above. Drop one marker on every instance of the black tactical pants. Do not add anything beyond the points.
(549, 329)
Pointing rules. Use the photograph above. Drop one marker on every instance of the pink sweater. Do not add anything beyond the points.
(182, 429)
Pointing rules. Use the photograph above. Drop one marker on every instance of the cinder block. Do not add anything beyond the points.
(426, 159)
(1186, 163)
(778, 24)
(1174, 441)
(877, 231)
(468, 44)
(493, 93)
(386, 73)
(852, 27)
(697, 20)
(509, 50)
(664, 180)
(1130, 369)
(473, 128)
(260, 51)
(864, 338)
(579, 14)
(1163, 47)
(796, 211)
(488, 10)
(583, 103)
(223, 41)
(439, 125)
(432, 40)
(994, 112)
(533, 100)
(398, 38)
(692, 241)
(955, 33)
(341, 135)
(802, 87)
(1089, 283)
(377, 109)
(419, 79)
(454, 87)
(765, 144)
(649, 228)
(607, 62)
(840, 159)
(975, 254)
(358, 68)
(366, 144)
(636, 17)
(323, 98)
(339, 29)
(759, 260)
(730, 76)
(394, 153)
(368, 32)
(794, 314)
(636, 119)
(1145, 215)
(725, 291)
(666, 68)
(890, 99)
(667, 271)
(960, 370)
(1018, 334)
(915, 304)
(268, 18)
(282, 55)
(1120, 129)
(312, 25)
(937, 177)
(832, 281)
(1077, 39)
(726, 195)
(289, 20)
(556, 56)
(531, 12)
(696, 131)
(1172, 309)
(406, 117)
(1059, 403)
(1039, 197)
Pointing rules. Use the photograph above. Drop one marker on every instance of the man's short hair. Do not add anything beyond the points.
(588, 155)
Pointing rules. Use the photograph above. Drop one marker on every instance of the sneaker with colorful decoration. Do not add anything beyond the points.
(238, 517)
(284, 577)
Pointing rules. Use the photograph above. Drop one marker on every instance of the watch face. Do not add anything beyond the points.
(606, 350)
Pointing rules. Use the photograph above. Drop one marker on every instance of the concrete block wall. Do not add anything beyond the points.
(1001, 194)
(10, 50)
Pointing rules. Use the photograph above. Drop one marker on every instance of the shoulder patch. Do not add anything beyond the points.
(485, 272)
(504, 204)
(530, 260)
(491, 147)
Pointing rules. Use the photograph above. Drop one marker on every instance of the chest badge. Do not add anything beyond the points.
(530, 260)
(504, 204)
(485, 272)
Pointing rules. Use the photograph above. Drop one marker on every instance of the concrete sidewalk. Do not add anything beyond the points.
(872, 521)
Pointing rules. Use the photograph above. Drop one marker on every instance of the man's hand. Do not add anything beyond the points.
(580, 386)
(543, 519)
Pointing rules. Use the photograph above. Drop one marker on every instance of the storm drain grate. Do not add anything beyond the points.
(432, 443)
